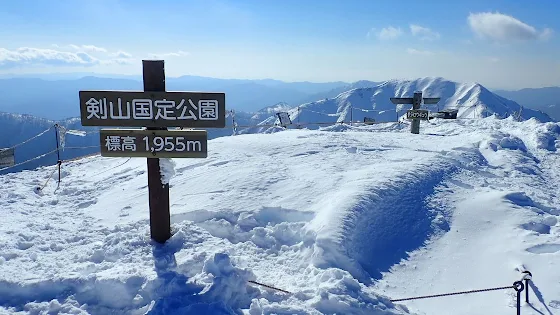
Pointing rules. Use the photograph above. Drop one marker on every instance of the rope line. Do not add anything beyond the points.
(86, 147)
(48, 179)
(26, 141)
(32, 159)
(371, 110)
(317, 123)
(123, 163)
(81, 157)
(270, 287)
(455, 293)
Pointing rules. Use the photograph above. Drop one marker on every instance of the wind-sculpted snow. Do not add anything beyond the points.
(334, 217)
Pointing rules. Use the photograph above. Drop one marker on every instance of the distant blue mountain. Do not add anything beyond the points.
(57, 99)
(546, 99)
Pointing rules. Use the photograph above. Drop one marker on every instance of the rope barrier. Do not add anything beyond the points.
(317, 123)
(28, 140)
(270, 287)
(81, 157)
(123, 163)
(454, 293)
(87, 147)
(33, 159)
(48, 179)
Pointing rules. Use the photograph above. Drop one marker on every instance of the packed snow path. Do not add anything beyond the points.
(327, 215)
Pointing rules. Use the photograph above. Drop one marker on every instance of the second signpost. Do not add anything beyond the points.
(155, 110)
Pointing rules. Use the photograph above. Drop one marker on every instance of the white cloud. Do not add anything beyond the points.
(26, 56)
(118, 61)
(90, 48)
(386, 33)
(413, 51)
(179, 53)
(423, 32)
(503, 28)
(546, 34)
(121, 55)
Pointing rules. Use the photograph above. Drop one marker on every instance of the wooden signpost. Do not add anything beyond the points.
(415, 114)
(155, 110)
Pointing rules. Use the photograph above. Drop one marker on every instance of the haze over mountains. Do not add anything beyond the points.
(546, 99)
(58, 99)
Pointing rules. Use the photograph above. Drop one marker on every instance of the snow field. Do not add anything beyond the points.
(324, 214)
(504, 220)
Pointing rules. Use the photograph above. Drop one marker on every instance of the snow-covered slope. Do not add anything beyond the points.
(339, 89)
(334, 217)
(471, 99)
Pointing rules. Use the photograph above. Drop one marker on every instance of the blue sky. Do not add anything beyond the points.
(501, 44)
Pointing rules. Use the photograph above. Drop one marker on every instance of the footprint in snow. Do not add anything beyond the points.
(305, 153)
(87, 204)
(554, 304)
(544, 249)
(540, 228)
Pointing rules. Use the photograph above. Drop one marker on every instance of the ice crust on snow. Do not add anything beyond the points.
(343, 218)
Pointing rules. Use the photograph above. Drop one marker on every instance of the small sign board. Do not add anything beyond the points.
(154, 143)
(417, 114)
(284, 118)
(369, 121)
(7, 157)
(153, 109)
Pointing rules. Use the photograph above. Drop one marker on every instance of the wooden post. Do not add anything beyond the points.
(160, 218)
(58, 161)
(416, 102)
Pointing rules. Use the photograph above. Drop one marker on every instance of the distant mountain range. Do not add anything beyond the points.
(58, 99)
(55, 96)
(472, 100)
(546, 99)
(349, 101)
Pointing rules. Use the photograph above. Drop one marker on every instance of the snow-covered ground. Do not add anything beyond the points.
(343, 218)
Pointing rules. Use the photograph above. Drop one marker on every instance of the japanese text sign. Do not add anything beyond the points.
(417, 114)
(153, 109)
(154, 143)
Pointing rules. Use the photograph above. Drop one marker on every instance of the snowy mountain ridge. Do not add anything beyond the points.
(471, 99)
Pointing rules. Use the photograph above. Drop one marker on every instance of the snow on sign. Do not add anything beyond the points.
(7, 158)
(154, 143)
(417, 114)
(153, 109)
